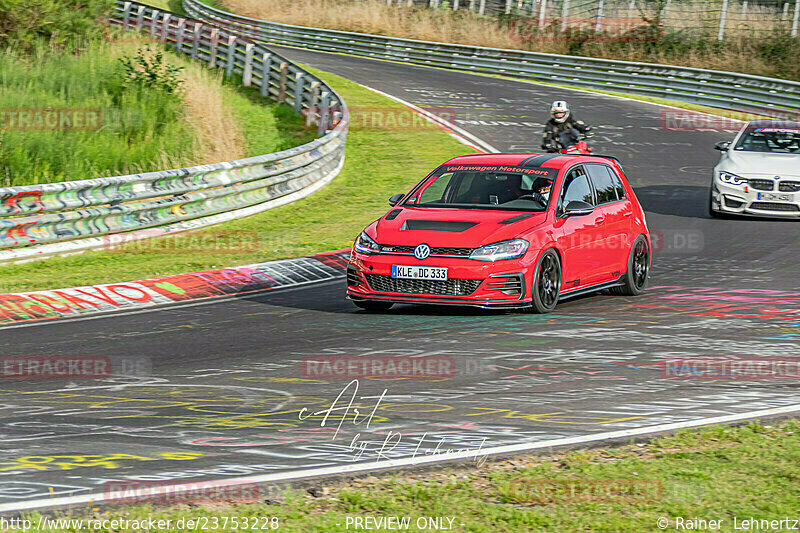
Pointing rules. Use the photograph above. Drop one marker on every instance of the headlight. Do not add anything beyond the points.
(500, 250)
(365, 245)
(733, 179)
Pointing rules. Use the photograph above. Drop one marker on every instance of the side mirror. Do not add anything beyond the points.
(395, 199)
(722, 146)
(578, 208)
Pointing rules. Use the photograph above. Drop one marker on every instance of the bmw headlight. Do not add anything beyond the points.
(733, 179)
(500, 250)
(365, 245)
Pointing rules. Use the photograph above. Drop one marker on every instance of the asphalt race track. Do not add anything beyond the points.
(237, 387)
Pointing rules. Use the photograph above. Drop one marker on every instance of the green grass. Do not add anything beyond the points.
(378, 164)
(715, 473)
(140, 128)
(135, 123)
(267, 127)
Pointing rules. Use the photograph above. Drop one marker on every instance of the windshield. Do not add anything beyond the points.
(486, 187)
(780, 139)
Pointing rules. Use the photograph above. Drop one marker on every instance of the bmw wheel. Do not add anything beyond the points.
(546, 282)
(638, 269)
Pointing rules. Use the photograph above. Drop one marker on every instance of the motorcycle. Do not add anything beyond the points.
(574, 143)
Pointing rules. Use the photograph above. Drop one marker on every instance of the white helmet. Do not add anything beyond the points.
(560, 111)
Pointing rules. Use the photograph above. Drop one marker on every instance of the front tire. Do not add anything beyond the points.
(638, 268)
(546, 285)
(373, 305)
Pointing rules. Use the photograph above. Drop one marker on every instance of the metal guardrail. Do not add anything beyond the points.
(41, 216)
(726, 90)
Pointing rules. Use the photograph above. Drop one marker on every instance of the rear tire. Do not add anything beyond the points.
(372, 305)
(635, 278)
(546, 285)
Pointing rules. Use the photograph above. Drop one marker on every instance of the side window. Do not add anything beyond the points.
(576, 187)
(603, 183)
(618, 185)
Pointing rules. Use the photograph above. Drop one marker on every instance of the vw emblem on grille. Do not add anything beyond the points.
(422, 251)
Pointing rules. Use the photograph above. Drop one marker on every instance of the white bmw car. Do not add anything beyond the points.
(759, 172)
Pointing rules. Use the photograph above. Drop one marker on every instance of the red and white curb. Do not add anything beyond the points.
(78, 301)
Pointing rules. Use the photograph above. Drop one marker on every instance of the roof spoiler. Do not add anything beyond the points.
(616, 159)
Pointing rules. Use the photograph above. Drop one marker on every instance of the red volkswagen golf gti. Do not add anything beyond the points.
(505, 230)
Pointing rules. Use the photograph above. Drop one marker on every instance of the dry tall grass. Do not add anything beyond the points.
(378, 18)
(218, 136)
(740, 53)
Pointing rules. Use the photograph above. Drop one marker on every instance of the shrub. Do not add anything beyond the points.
(149, 69)
(23, 22)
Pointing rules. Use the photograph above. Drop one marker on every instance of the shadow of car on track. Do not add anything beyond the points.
(689, 201)
(677, 200)
(329, 298)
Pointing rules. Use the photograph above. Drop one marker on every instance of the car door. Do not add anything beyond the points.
(578, 234)
(614, 235)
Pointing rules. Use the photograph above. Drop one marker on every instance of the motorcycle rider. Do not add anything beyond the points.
(562, 121)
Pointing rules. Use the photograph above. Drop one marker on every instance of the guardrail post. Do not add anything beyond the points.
(165, 27)
(564, 15)
(198, 31)
(744, 8)
(231, 59)
(785, 14)
(212, 59)
(140, 18)
(796, 17)
(723, 14)
(282, 82)
(179, 36)
(471, 6)
(508, 7)
(482, 9)
(266, 74)
(126, 15)
(153, 23)
(299, 85)
(324, 114)
(247, 75)
(599, 23)
(313, 103)
(455, 5)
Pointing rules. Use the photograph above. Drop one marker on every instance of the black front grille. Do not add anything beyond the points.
(789, 186)
(434, 251)
(451, 287)
(773, 206)
(762, 185)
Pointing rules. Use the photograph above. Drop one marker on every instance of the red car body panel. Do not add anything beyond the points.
(594, 248)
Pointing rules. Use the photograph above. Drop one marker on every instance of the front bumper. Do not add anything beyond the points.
(500, 284)
(746, 200)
